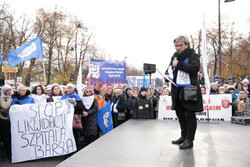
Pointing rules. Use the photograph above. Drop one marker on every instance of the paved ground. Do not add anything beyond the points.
(147, 143)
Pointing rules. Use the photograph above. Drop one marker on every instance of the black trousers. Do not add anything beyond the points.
(6, 136)
(187, 121)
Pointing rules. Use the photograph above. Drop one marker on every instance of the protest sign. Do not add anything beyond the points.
(41, 130)
(218, 106)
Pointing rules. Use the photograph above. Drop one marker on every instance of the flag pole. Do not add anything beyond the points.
(44, 72)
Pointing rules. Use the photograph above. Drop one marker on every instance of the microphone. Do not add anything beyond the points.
(175, 58)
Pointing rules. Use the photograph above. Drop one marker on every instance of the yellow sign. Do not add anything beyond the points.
(7, 68)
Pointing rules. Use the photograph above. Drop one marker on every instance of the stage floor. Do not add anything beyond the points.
(147, 143)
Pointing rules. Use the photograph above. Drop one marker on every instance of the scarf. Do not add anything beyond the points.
(88, 101)
(39, 99)
(72, 95)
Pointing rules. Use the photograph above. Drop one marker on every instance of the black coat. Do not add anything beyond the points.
(192, 67)
(89, 123)
(143, 108)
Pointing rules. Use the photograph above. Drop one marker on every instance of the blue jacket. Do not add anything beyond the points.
(235, 94)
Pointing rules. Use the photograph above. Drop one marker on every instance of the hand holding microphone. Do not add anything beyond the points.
(175, 62)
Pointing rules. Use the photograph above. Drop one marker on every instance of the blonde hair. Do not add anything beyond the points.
(183, 39)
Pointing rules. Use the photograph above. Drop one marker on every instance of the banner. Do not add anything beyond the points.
(29, 50)
(41, 130)
(107, 72)
(218, 106)
(104, 118)
(7, 68)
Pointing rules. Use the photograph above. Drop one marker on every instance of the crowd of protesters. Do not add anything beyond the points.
(126, 103)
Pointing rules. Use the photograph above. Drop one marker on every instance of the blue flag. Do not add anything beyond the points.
(144, 80)
(29, 50)
(1, 61)
(104, 118)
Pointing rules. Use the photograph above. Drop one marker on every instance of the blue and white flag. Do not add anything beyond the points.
(1, 61)
(104, 118)
(29, 50)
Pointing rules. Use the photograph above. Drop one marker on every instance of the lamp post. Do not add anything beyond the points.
(219, 49)
(77, 26)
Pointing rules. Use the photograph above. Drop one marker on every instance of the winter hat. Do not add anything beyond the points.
(5, 88)
(88, 87)
(20, 87)
(70, 85)
(143, 89)
(245, 80)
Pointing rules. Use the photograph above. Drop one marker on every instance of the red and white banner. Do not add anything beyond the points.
(218, 107)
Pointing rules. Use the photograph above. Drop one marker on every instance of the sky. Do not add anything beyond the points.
(142, 30)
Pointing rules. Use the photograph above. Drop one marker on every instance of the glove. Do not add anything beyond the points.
(72, 101)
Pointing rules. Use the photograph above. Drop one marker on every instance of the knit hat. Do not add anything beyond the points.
(70, 85)
(143, 89)
(5, 88)
(245, 80)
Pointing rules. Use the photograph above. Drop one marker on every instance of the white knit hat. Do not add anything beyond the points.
(245, 80)
(70, 85)
(5, 88)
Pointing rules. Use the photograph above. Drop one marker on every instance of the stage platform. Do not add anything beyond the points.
(147, 143)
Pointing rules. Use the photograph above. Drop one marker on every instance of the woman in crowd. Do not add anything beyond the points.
(236, 91)
(5, 102)
(55, 94)
(90, 107)
(166, 92)
(109, 94)
(127, 95)
(246, 86)
(143, 108)
(203, 90)
(76, 100)
(38, 94)
(21, 96)
(118, 106)
(132, 99)
(13, 88)
(242, 104)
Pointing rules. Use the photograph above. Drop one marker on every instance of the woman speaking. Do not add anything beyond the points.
(186, 94)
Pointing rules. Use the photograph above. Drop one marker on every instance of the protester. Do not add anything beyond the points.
(38, 94)
(230, 89)
(185, 62)
(13, 88)
(203, 90)
(76, 100)
(5, 102)
(21, 96)
(166, 92)
(159, 91)
(109, 94)
(246, 86)
(132, 99)
(118, 106)
(236, 91)
(127, 95)
(103, 90)
(222, 90)
(201, 79)
(98, 95)
(242, 104)
(214, 88)
(90, 107)
(143, 108)
(55, 94)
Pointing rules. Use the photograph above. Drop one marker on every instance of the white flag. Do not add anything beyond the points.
(204, 57)
(79, 82)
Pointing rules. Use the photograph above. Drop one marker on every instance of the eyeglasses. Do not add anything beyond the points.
(88, 91)
(181, 45)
